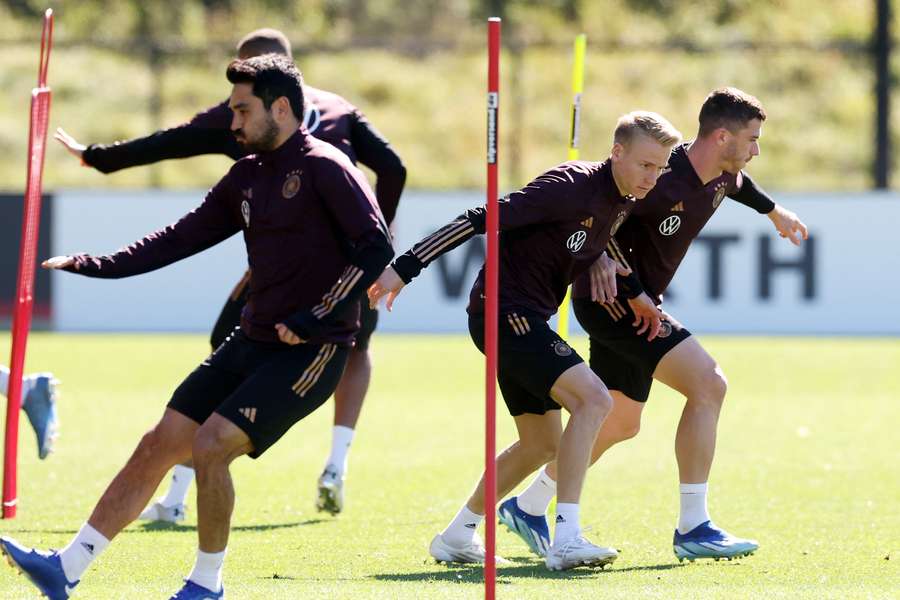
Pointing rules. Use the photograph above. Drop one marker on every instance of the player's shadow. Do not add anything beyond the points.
(516, 568)
(165, 526)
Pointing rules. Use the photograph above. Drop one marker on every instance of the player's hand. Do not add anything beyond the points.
(287, 336)
(603, 278)
(58, 262)
(388, 284)
(70, 143)
(647, 316)
(788, 224)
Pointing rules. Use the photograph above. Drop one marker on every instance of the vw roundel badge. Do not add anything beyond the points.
(670, 225)
(576, 241)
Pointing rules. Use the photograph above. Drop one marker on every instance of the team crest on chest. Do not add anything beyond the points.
(576, 241)
(245, 212)
(620, 218)
(291, 185)
(719, 196)
(670, 225)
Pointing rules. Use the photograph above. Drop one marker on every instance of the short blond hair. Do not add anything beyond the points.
(644, 122)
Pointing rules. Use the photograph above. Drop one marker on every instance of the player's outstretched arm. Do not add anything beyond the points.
(207, 133)
(786, 222)
(202, 228)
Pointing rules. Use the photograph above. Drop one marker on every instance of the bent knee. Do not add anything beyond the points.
(712, 389)
(594, 403)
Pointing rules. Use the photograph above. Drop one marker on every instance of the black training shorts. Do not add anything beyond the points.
(531, 358)
(263, 388)
(624, 360)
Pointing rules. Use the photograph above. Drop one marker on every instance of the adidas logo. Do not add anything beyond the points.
(560, 519)
(678, 207)
(589, 222)
(88, 547)
(249, 413)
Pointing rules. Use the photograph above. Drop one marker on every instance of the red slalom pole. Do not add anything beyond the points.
(37, 140)
(491, 274)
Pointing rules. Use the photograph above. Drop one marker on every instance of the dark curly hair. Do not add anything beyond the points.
(272, 76)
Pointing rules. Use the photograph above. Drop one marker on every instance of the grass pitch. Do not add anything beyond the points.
(807, 463)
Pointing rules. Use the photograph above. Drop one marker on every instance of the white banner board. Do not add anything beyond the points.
(739, 276)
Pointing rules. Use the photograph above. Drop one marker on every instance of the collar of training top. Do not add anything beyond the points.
(298, 142)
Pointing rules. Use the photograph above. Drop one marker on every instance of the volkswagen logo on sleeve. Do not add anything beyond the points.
(670, 225)
(576, 241)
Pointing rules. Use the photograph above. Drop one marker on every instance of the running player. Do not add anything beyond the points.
(39, 404)
(652, 243)
(551, 232)
(315, 241)
(330, 118)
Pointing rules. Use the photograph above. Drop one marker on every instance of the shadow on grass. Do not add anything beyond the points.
(155, 526)
(164, 526)
(521, 567)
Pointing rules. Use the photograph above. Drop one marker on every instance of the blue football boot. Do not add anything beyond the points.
(708, 541)
(533, 530)
(44, 569)
(40, 406)
(192, 591)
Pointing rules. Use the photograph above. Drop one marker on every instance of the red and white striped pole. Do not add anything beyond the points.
(37, 140)
(491, 276)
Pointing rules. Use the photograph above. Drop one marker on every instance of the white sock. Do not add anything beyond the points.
(341, 438)
(178, 489)
(567, 523)
(81, 552)
(462, 528)
(693, 506)
(4, 379)
(208, 570)
(537, 496)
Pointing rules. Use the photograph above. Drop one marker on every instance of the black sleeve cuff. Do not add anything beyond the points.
(629, 285)
(407, 267)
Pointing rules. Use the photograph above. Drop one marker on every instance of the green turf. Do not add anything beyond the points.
(807, 463)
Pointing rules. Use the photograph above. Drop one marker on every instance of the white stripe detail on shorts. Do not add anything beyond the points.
(315, 370)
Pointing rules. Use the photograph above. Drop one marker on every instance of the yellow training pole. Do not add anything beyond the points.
(574, 130)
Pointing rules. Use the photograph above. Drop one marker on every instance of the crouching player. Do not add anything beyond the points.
(652, 243)
(315, 241)
(551, 232)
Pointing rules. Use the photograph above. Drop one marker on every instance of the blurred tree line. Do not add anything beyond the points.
(423, 24)
(122, 68)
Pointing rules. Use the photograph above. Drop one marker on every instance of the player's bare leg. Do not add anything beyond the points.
(217, 443)
(348, 400)
(163, 446)
(623, 423)
(538, 441)
(689, 369)
(525, 514)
